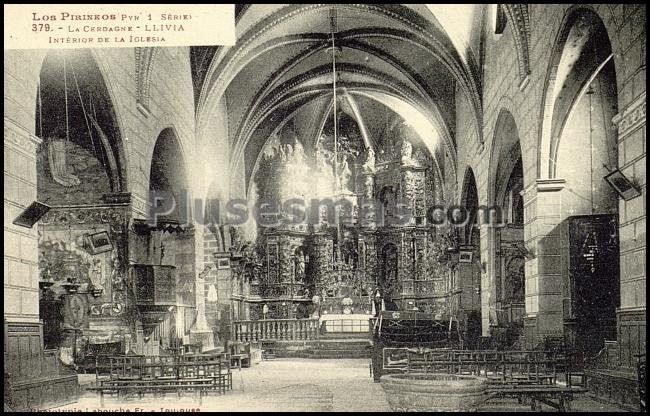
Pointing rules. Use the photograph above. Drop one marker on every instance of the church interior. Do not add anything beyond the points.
(426, 192)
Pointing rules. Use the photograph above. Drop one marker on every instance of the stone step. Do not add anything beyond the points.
(344, 335)
(331, 354)
(327, 356)
(360, 345)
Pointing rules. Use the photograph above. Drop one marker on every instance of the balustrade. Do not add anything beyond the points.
(276, 329)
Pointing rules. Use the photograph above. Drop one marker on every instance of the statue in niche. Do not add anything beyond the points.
(419, 157)
(345, 176)
(299, 152)
(388, 199)
(117, 279)
(406, 152)
(349, 252)
(299, 262)
(369, 162)
(97, 274)
(236, 240)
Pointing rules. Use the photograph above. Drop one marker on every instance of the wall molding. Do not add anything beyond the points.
(144, 58)
(19, 138)
(632, 117)
(519, 21)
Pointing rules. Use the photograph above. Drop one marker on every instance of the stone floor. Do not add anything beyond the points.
(293, 385)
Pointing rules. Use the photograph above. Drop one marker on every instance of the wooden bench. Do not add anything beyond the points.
(554, 396)
(200, 386)
(216, 366)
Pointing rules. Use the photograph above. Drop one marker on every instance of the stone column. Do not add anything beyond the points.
(488, 279)
(543, 270)
(201, 331)
(412, 184)
(321, 254)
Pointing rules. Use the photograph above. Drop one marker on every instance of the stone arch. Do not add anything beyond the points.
(505, 139)
(419, 34)
(380, 95)
(168, 174)
(504, 314)
(519, 22)
(119, 119)
(470, 200)
(569, 42)
(583, 101)
(469, 274)
(75, 113)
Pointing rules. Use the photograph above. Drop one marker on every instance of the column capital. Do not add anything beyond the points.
(544, 185)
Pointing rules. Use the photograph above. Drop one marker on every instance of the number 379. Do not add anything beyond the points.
(40, 27)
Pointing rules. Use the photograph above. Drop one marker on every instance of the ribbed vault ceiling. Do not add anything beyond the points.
(419, 57)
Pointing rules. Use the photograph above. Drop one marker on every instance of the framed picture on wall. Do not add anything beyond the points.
(622, 185)
(99, 242)
(223, 263)
(465, 257)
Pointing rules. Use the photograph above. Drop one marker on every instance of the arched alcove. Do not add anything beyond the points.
(581, 61)
(168, 178)
(585, 101)
(507, 179)
(470, 273)
(82, 239)
(79, 160)
(580, 147)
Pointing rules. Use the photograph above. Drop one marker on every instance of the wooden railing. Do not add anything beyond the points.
(340, 325)
(275, 329)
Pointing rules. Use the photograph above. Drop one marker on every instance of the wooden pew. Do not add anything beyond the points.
(200, 386)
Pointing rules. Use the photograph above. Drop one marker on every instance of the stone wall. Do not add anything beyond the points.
(503, 89)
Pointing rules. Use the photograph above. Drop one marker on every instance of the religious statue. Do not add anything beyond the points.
(349, 252)
(299, 152)
(116, 274)
(376, 302)
(97, 274)
(345, 176)
(236, 240)
(369, 162)
(299, 266)
(419, 157)
(406, 152)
